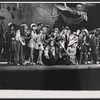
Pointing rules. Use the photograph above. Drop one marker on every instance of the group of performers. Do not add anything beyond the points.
(40, 45)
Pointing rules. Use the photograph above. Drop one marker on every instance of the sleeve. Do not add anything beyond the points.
(18, 35)
(46, 51)
(97, 41)
(90, 41)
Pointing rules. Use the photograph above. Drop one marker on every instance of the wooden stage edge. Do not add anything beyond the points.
(5, 66)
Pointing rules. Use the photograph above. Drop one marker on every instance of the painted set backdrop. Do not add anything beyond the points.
(48, 13)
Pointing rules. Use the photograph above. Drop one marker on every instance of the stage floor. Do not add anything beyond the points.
(5, 66)
(59, 77)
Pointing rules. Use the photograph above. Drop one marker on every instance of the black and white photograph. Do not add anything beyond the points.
(50, 46)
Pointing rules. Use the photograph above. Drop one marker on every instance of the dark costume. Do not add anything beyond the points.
(50, 51)
(26, 49)
(84, 46)
(1, 37)
(10, 43)
(95, 48)
(61, 55)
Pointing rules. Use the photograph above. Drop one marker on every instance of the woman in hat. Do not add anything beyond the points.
(39, 46)
(32, 42)
(71, 51)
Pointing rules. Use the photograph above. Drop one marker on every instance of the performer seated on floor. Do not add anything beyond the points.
(49, 54)
(71, 51)
(62, 57)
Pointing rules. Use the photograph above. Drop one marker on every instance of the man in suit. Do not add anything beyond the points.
(95, 46)
(83, 46)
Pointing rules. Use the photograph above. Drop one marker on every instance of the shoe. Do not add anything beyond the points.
(33, 63)
(17, 64)
(24, 63)
(40, 63)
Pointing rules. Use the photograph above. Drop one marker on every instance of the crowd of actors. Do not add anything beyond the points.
(43, 46)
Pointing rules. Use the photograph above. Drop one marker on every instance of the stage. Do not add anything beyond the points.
(5, 66)
(59, 77)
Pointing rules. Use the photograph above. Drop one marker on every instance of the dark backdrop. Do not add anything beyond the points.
(92, 23)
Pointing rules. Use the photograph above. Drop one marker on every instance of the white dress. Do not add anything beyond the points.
(39, 43)
(31, 43)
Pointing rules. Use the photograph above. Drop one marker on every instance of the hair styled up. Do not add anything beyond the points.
(19, 28)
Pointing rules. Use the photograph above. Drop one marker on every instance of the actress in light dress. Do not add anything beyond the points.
(32, 43)
(39, 46)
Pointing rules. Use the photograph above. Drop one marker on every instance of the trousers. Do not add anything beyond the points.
(18, 53)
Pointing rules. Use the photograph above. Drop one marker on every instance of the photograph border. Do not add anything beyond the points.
(8, 94)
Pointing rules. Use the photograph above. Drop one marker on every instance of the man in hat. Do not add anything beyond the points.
(39, 26)
(2, 28)
(99, 42)
(83, 45)
(10, 41)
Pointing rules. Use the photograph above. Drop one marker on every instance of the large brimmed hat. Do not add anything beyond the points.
(33, 24)
(72, 42)
(23, 24)
(47, 26)
(66, 27)
(98, 29)
(85, 30)
(11, 24)
(39, 23)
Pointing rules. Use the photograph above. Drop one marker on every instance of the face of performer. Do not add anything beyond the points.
(83, 32)
(74, 33)
(12, 27)
(44, 30)
(97, 32)
(40, 27)
(52, 43)
(25, 27)
(18, 31)
(34, 27)
(56, 30)
(65, 31)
